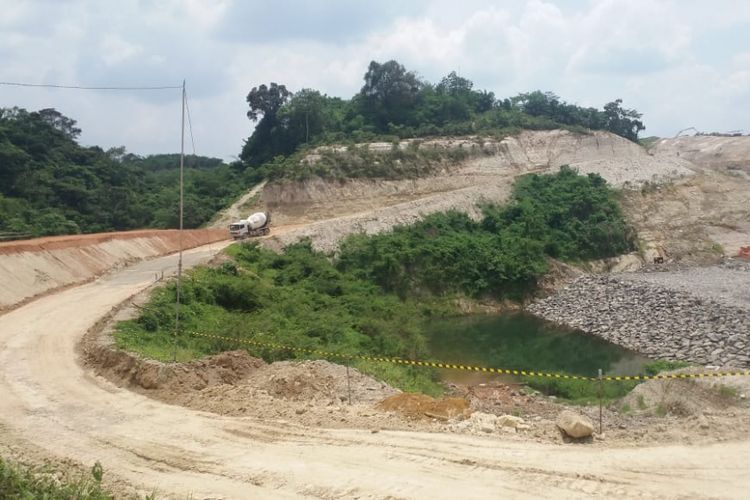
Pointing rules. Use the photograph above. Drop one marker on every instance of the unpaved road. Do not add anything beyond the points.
(49, 401)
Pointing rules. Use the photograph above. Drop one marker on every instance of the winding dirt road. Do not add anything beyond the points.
(49, 401)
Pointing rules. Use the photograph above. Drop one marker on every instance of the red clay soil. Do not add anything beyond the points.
(191, 238)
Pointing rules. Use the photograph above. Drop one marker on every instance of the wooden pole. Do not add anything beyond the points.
(601, 395)
(179, 237)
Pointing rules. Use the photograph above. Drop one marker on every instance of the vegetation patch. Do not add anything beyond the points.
(396, 103)
(49, 184)
(376, 296)
(21, 482)
(360, 162)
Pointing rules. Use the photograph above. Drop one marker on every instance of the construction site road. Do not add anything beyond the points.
(50, 403)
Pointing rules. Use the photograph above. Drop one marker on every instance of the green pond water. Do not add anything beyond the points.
(524, 342)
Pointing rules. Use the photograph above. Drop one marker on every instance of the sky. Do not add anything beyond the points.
(682, 63)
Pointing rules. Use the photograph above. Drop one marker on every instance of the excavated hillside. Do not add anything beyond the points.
(705, 216)
(35, 267)
(331, 209)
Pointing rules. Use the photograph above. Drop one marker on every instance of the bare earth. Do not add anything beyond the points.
(50, 400)
(53, 406)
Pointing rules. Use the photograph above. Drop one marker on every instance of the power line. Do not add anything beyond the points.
(190, 124)
(80, 87)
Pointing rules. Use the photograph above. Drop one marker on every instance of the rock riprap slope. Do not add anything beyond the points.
(698, 315)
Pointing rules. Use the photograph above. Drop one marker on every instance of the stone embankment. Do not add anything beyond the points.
(662, 318)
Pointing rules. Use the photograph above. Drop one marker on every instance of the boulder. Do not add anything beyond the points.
(575, 425)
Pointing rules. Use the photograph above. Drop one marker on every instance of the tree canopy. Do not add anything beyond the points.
(49, 184)
(395, 101)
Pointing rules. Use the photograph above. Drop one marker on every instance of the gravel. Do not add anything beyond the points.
(699, 315)
(728, 283)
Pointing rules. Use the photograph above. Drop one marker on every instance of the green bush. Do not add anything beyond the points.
(565, 215)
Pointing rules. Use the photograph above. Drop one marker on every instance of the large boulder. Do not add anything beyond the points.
(575, 425)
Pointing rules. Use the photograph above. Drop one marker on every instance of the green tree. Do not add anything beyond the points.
(389, 94)
(265, 102)
(621, 121)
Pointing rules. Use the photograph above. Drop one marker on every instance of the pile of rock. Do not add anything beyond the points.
(654, 320)
(480, 422)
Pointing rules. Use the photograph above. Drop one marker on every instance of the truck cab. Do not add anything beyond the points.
(238, 229)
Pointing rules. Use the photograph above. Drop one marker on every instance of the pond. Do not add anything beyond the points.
(524, 342)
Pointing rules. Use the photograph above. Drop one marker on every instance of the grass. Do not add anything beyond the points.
(581, 392)
(641, 402)
(728, 392)
(19, 481)
(298, 299)
(584, 392)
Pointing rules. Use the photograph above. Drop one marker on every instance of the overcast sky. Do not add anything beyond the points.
(681, 63)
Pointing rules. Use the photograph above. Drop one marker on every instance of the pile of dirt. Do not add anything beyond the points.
(318, 381)
(144, 374)
(688, 397)
(421, 406)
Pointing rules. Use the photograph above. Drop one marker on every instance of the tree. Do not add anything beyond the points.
(60, 122)
(389, 94)
(266, 101)
(454, 85)
(621, 121)
(303, 116)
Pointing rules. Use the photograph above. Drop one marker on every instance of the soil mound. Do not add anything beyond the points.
(225, 368)
(31, 268)
(317, 381)
(687, 397)
(421, 406)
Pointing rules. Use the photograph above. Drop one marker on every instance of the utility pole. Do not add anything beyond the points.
(179, 260)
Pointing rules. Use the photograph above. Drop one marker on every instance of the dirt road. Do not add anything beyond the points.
(49, 401)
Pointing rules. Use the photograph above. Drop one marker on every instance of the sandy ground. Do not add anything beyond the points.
(51, 402)
(51, 405)
(240, 209)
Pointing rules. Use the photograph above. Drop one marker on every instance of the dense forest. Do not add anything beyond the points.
(395, 102)
(49, 184)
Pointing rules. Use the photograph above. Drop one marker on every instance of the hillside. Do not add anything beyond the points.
(50, 184)
(333, 208)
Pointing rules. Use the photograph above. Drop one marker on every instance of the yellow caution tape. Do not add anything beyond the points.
(499, 371)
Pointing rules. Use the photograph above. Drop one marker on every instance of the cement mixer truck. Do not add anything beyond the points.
(255, 225)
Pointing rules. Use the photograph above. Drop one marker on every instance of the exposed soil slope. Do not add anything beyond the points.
(240, 209)
(32, 267)
(332, 209)
(716, 152)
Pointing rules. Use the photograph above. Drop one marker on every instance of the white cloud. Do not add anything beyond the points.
(677, 62)
(115, 50)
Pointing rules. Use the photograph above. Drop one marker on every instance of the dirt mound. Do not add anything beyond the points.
(687, 397)
(319, 381)
(225, 368)
(420, 406)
